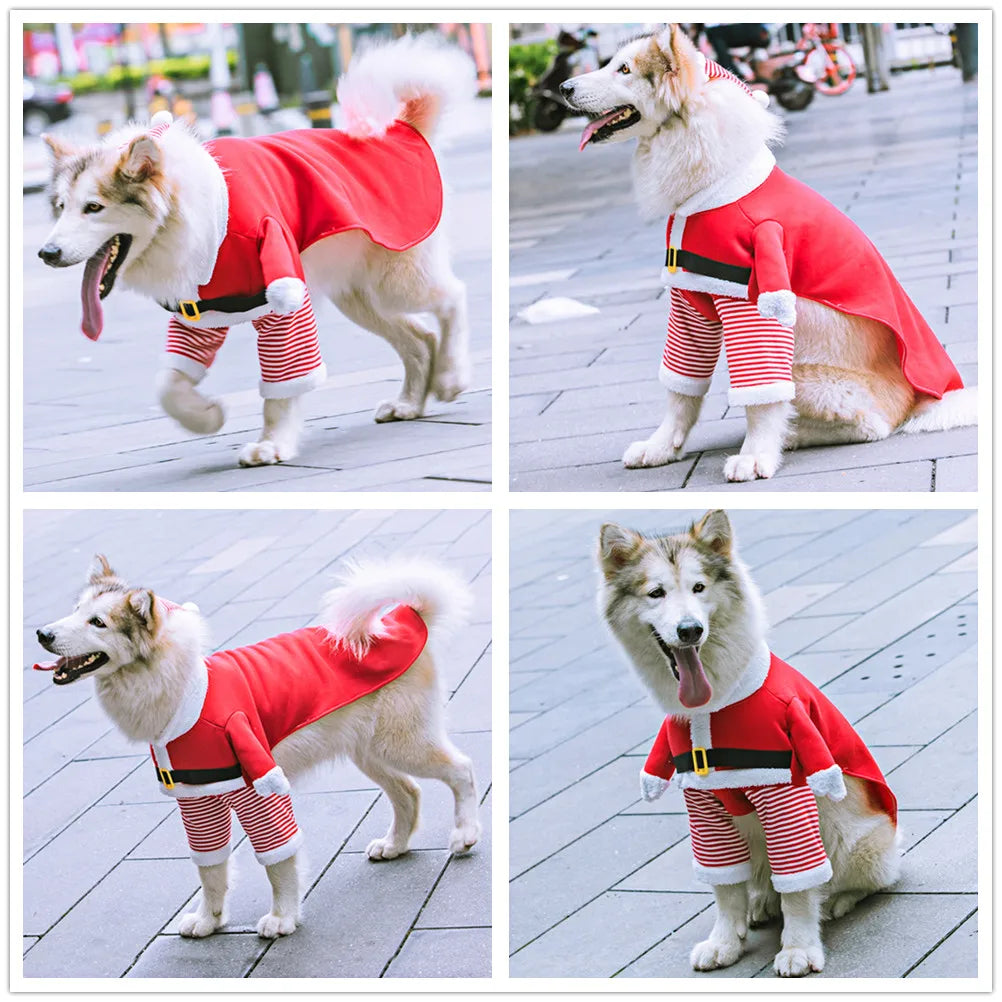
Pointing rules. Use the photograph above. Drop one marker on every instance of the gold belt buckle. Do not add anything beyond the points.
(672, 260)
(189, 309)
(701, 768)
(166, 778)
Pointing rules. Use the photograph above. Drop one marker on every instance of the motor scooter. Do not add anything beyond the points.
(574, 55)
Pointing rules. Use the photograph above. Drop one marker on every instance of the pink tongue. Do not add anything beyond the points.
(693, 687)
(45, 666)
(93, 316)
(591, 127)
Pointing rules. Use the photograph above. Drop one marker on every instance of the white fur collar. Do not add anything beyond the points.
(750, 680)
(221, 200)
(732, 187)
(190, 707)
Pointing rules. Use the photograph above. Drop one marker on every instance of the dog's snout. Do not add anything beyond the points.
(689, 631)
(45, 638)
(51, 254)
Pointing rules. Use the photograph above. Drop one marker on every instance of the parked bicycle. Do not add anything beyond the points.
(827, 63)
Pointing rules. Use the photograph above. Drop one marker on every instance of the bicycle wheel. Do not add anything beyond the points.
(832, 69)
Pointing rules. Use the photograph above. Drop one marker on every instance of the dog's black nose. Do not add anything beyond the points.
(567, 88)
(689, 631)
(50, 254)
(45, 638)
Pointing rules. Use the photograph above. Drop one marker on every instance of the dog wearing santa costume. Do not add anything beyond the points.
(788, 811)
(243, 230)
(228, 731)
(814, 324)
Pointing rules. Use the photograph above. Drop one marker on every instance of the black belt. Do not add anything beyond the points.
(197, 777)
(700, 760)
(192, 309)
(699, 265)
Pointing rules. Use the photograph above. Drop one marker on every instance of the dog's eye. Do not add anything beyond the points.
(658, 592)
(698, 587)
(95, 621)
(92, 207)
(624, 69)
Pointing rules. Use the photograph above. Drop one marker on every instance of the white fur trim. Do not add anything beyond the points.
(188, 711)
(161, 118)
(762, 97)
(780, 305)
(212, 858)
(680, 279)
(182, 791)
(767, 393)
(686, 385)
(787, 883)
(190, 607)
(294, 387)
(738, 873)
(652, 787)
(282, 852)
(286, 295)
(188, 366)
(731, 778)
(751, 679)
(273, 781)
(732, 187)
(828, 783)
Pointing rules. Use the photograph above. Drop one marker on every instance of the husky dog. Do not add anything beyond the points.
(836, 342)
(245, 229)
(146, 656)
(691, 621)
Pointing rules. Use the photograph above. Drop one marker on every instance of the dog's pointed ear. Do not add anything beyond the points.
(99, 569)
(142, 602)
(141, 161)
(714, 530)
(58, 149)
(617, 547)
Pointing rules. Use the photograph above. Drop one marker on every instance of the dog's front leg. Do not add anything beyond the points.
(284, 915)
(283, 425)
(762, 449)
(801, 951)
(211, 913)
(667, 444)
(726, 940)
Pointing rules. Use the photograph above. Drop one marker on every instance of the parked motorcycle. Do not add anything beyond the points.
(779, 76)
(574, 55)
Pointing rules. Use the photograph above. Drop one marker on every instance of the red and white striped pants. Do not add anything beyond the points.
(789, 817)
(287, 345)
(268, 821)
(759, 350)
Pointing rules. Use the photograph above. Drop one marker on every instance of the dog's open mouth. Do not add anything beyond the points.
(693, 685)
(603, 125)
(66, 670)
(99, 279)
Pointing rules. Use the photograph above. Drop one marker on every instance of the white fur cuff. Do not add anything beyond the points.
(286, 295)
(780, 305)
(716, 876)
(273, 781)
(767, 393)
(652, 787)
(688, 386)
(788, 883)
(828, 783)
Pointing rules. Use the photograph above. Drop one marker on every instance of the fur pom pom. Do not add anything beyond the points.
(286, 295)
(780, 305)
(273, 781)
(652, 787)
(828, 783)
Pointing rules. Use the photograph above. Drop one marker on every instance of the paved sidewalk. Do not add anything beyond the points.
(106, 867)
(92, 422)
(902, 164)
(877, 608)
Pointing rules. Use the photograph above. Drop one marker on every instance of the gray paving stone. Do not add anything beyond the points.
(944, 773)
(956, 956)
(443, 953)
(229, 955)
(935, 866)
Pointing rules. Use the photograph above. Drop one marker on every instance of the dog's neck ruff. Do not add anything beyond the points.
(730, 188)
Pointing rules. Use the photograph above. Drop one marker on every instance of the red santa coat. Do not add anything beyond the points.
(775, 238)
(786, 732)
(256, 696)
(289, 190)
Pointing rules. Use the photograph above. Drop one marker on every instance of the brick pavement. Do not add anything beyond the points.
(106, 869)
(902, 164)
(91, 420)
(878, 608)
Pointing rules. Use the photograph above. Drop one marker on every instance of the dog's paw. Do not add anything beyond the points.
(797, 961)
(397, 410)
(446, 386)
(384, 848)
(650, 452)
(195, 925)
(265, 453)
(839, 904)
(714, 953)
(763, 907)
(464, 838)
(271, 926)
(749, 466)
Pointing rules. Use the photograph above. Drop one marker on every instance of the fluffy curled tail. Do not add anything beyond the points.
(352, 609)
(412, 79)
(956, 409)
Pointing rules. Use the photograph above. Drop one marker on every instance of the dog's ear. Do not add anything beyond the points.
(99, 569)
(141, 161)
(142, 604)
(682, 62)
(58, 148)
(617, 547)
(714, 530)
(655, 62)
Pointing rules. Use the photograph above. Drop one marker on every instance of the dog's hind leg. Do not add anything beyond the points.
(405, 797)
(667, 444)
(284, 915)
(211, 913)
(191, 409)
(279, 442)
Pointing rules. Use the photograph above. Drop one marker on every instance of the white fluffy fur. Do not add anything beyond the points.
(286, 295)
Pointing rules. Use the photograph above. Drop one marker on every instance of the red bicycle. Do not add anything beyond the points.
(827, 63)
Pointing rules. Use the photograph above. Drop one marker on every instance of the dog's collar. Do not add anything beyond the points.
(731, 188)
(189, 709)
